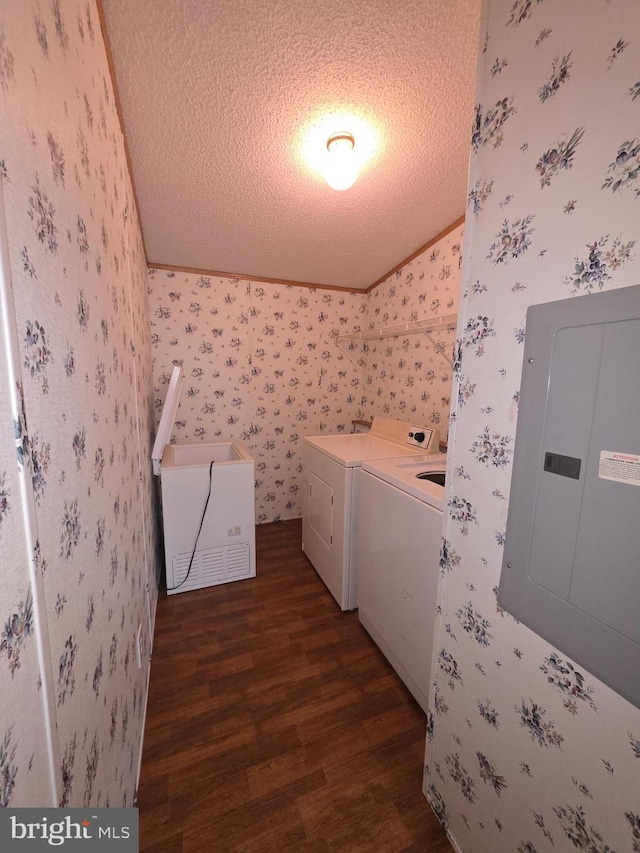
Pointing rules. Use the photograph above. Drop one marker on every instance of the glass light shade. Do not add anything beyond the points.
(342, 168)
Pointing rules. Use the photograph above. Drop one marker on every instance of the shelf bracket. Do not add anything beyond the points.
(349, 354)
(439, 348)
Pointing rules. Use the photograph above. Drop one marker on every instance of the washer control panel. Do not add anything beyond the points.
(423, 437)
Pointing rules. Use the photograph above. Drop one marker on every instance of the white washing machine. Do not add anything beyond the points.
(330, 501)
(399, 539)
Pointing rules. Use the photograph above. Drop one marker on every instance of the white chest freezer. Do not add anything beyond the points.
(208, 506)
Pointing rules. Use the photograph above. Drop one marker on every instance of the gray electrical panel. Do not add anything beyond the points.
(571, 568)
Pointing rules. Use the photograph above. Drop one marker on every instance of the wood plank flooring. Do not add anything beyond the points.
(274, 723)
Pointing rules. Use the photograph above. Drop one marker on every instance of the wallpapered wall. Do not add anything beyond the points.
(86, 418)
(529, 752)
(262, 364)
(407, 377)
(24, 769)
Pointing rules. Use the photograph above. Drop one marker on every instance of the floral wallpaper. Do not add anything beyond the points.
(262, 363)
(527, 751)
(262, 366)
(23, 747)
(84, 422)
(409, 377)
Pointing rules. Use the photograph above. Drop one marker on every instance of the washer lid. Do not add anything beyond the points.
(401, 473)
(168, 418)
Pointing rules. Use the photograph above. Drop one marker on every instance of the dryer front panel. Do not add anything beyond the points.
(326, 522)
(321, 508)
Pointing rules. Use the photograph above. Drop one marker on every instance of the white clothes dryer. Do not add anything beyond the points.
(330, 501)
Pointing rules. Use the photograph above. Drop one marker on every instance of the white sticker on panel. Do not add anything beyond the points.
(620, 467)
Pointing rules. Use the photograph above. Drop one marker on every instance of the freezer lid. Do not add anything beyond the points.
(168, 418)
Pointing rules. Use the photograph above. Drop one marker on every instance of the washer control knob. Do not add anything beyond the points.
(419, 436)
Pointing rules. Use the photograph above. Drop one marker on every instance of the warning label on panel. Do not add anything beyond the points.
(621, 467)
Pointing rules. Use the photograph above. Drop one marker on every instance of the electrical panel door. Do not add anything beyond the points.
(571, 568)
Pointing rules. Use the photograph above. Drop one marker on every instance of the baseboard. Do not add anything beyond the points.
(152, 628)
(450, 837)
(144, 721)
(453, 842)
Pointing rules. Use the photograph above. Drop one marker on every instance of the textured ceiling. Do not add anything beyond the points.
(222, 99)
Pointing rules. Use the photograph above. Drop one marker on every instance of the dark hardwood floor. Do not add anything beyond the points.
(274, 723)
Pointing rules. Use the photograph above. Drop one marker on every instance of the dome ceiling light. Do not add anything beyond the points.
(342, 167)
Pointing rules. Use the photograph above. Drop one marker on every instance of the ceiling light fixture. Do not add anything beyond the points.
(342, 168)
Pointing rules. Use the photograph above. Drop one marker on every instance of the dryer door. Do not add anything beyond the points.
(321, 508)
(326, 520)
